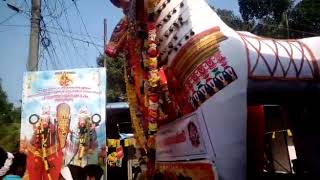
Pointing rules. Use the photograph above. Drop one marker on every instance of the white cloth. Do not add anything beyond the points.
(5, 168)
(66, 173)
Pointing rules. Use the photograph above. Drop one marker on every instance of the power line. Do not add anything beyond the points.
(50, 27)
(79, 14)
(68, 36)
(63, 51)
(292, 30)
(68, 22)
(45, 47)
(44, 59)
(52, 60)
(46, 42)
(74, 33)
(62, 30)
(8, 18)
(41, 58)
(55, 19)
(15, 25)
(5, 30)
(25, 1)
(50, 11)
(70, 5)
(54, 52)
(269, 25)
(69, 29)
(77, 39)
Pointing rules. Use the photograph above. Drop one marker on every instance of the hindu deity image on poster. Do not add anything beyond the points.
(63, 120)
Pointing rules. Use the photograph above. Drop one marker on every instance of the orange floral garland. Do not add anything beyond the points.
(132, 100)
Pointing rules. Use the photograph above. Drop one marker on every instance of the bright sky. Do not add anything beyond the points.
(63, 53)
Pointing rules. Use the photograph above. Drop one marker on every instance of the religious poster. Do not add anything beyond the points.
(192, 170)
(182, 139)
(63, 120)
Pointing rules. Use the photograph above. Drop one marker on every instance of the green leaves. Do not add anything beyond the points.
(306, 17)
(259, 9)
(282, 18)
(116, 89)
(10, 118)
(10, 135)
(233, 21)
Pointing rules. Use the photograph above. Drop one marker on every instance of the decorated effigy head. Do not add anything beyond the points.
(188, 45)
(117, 39)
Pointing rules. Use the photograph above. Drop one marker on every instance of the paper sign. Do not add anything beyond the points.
(181, 140)
(63, 119)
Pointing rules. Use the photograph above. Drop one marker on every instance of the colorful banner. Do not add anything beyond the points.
(197, 170)
(182, 139)
(63, 120)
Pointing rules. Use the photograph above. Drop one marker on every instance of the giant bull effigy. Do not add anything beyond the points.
(182, 58)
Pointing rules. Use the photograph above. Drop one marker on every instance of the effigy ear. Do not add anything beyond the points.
(116, 3)
(118, 38)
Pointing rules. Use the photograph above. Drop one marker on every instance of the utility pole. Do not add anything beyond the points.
(104, 41)
(33, 58)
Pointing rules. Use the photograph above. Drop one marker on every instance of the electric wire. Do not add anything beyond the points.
(77, 39)
(62, 49)
(8, 18)
(79, 14)
(50, 11)
(55, 19)
(28, 7)
(70, 30)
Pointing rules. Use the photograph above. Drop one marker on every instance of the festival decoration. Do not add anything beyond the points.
(117, 39)
(115, 158)
(136, 121)
(179, 62)
(153, 79)
(113, 143)
(186, 170)
(130, 142)
(112, 159)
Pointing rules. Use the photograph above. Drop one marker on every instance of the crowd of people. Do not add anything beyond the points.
(13, 167)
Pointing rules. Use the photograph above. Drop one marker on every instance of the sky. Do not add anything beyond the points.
(76, 37)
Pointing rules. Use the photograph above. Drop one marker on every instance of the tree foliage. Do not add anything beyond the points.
(260, 9)
(282, 18)
(233, 21)
(305, 16)
(116, 89)
(10, 118)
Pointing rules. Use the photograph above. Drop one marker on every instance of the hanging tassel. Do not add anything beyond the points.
(289, 133)
(273, 135)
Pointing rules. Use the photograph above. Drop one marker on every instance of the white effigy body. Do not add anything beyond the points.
(258, 64)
